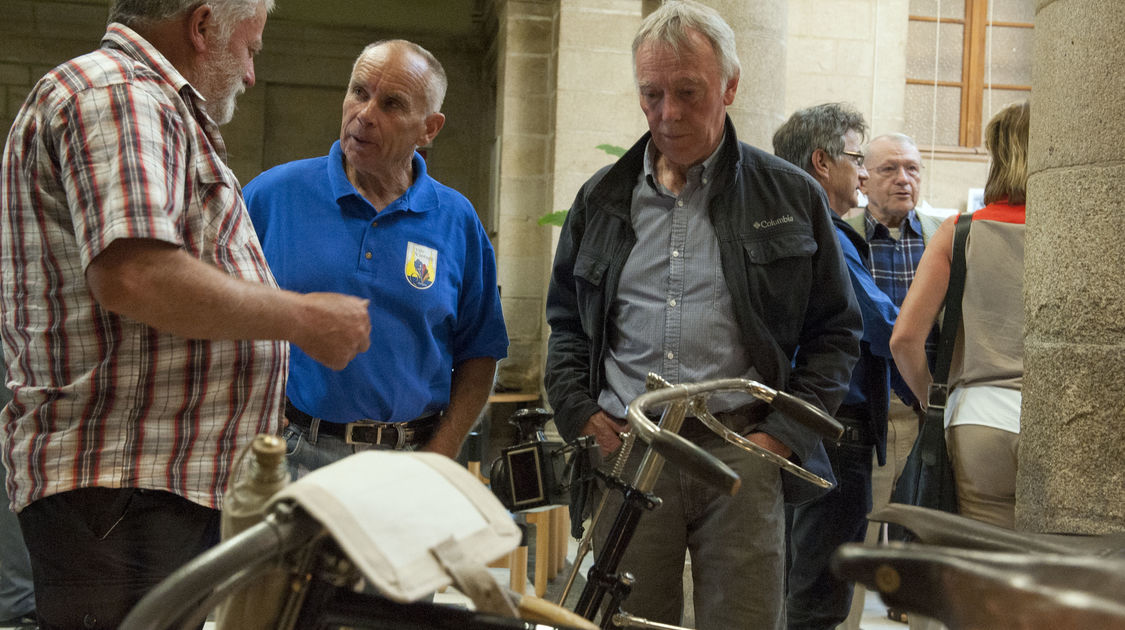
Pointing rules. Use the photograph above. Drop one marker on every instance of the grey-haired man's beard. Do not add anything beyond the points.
(221, 85)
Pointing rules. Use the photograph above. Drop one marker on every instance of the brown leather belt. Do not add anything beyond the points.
(397, 435)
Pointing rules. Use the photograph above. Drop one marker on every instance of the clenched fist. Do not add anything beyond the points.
(334, 328)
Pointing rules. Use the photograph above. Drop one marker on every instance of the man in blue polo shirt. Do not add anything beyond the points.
(367, 220)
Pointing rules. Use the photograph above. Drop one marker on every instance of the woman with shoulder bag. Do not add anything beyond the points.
(982, 412)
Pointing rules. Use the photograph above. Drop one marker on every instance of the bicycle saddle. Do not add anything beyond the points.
(951, 530)
(402, 518)
(970, 590)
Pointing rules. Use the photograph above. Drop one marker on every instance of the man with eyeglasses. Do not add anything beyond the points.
(824, 140)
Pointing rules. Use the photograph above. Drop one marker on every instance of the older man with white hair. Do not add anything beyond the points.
(696, 256)
(144, 335)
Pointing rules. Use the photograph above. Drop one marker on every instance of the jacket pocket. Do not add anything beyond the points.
(766, 251)
(590, 268)
(780, 276)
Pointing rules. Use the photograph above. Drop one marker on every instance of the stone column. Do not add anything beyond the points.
(760, 35)
(524, 56)
(1072, 453)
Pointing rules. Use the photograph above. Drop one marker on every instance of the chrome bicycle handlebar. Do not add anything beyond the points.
(694, 395)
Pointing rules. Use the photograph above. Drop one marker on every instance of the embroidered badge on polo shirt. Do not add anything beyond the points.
(421, 265)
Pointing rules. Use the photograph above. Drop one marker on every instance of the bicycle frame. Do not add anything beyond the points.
(605, 588)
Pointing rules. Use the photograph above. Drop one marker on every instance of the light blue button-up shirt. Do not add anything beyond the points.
(673, 313)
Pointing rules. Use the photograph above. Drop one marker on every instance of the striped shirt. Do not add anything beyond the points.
(110, 145)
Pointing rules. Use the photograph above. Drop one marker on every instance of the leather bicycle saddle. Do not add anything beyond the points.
(976, 590)
(951, 530)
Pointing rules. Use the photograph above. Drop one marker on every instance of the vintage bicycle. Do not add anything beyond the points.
(339, 554)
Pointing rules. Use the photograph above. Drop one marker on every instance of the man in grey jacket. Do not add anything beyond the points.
(696, 256)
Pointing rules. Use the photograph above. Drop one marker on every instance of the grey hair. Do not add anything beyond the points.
(817, 127)
(671, 23)
(142, 13)
(436, 84)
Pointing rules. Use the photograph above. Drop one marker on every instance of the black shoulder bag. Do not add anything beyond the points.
(927, 478)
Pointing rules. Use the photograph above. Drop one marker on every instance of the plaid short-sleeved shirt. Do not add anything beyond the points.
(111, 145)
(893, 264)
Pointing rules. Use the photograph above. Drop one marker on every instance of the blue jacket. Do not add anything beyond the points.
(868, 392)
(782, 264)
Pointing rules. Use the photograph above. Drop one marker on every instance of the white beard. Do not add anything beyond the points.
(221, 85)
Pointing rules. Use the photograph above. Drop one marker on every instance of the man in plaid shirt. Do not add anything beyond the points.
(143, 332)
(896, 232)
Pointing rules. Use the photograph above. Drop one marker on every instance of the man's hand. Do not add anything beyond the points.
(606, 430)
(770, 443)
(337, 327)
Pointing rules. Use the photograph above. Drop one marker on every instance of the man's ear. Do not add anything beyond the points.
(820, 164)
(434, 123)
(199, 23)
(731, 90)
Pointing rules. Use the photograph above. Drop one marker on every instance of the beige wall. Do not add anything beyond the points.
(524, 52)
(852, 51)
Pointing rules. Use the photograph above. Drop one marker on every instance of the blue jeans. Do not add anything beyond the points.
(816, 598)
(17, 597)
(305, 453)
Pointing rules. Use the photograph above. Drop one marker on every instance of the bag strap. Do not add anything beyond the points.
(951, 321)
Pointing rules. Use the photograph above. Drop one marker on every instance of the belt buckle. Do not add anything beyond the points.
(400, 432)
(349, 427)
(937, 395)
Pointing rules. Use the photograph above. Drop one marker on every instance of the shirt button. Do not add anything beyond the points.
(704, 180)
(680, 203)
(670, 355)
(374, 224)
(675, 253)
(672, 303)
(367, 255)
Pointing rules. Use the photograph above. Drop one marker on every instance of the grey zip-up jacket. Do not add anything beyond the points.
(788, 282)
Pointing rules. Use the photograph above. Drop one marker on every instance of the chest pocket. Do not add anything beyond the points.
(590, 268)
(780, 274)
(777, 248)
(218, 212)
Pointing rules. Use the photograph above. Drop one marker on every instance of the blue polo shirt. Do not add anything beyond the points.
(424, 262)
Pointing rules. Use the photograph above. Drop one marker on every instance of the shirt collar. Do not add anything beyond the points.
(704, 171)
(875, 229)
(420, 197)
(131, 43)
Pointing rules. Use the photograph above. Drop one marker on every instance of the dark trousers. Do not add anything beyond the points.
(96, 551)
(817, 599)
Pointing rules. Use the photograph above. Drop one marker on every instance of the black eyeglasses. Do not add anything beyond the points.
(856, 157)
